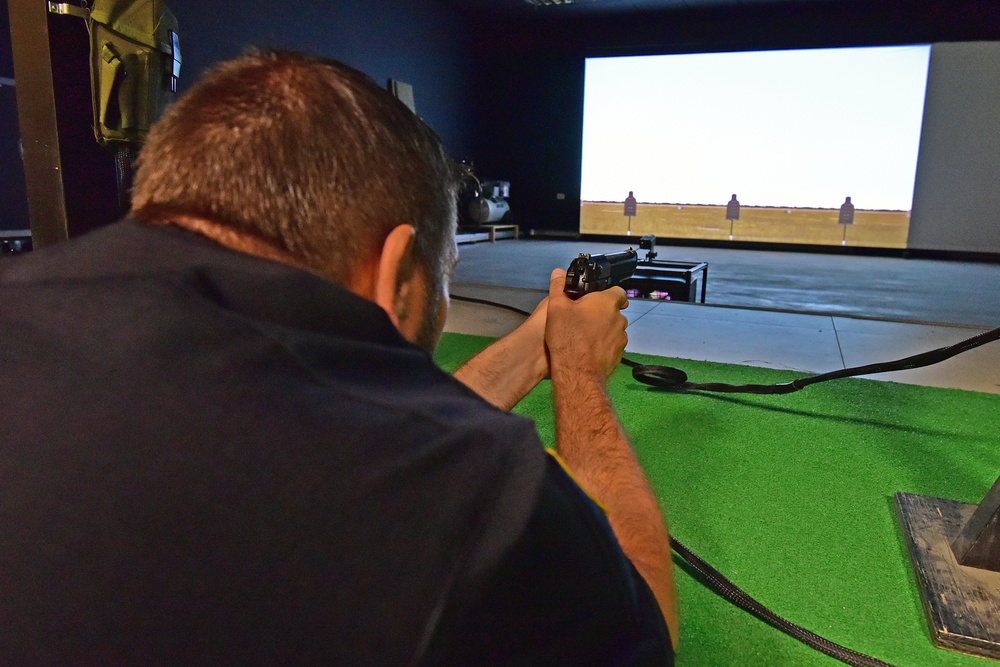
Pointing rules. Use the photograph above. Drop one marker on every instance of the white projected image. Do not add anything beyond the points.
(790, 132)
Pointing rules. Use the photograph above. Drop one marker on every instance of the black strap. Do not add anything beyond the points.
(730, 591)
(674, 379)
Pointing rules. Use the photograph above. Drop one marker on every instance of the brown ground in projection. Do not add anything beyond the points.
(873, 229)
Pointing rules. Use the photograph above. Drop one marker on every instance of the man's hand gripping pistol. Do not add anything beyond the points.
(593, 273)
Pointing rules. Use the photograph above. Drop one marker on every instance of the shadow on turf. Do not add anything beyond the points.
(802, 413)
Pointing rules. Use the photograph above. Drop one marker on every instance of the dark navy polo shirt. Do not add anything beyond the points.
(206, 457)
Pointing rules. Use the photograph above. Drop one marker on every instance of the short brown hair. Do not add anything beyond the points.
(305, 154)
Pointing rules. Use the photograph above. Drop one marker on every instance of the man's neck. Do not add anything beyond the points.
(360, 281)
(235, 240)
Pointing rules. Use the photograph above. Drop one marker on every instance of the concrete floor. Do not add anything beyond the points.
(890, 288)
(804, 312)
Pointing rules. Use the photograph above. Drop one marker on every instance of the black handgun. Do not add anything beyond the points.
(593, 273)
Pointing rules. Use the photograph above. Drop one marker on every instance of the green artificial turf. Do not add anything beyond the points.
(790, 496)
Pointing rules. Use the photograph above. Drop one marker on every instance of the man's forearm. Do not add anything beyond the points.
(591, 441)
(506, 371)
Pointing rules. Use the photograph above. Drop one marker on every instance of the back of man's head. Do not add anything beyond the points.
(304, 154)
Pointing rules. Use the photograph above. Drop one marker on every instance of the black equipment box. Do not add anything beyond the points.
(680, 281)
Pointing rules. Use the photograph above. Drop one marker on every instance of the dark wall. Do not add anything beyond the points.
(530, 72)
(420, 42)
(530, 107)
(13, 196)
(90, 184)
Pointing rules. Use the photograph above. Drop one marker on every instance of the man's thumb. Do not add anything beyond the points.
(557, 281)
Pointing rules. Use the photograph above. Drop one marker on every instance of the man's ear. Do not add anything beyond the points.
(394, 271)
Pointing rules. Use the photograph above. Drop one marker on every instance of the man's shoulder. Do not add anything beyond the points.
(80, 257)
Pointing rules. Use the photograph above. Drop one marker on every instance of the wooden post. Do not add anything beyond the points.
(36, 111)
(978, 545)
(955, 551)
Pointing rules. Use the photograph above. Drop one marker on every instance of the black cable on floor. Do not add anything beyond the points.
(730, 591)
(485, 302)
(674, 379)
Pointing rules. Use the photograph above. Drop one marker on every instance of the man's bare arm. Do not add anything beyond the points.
(508, 369)
(586, 339)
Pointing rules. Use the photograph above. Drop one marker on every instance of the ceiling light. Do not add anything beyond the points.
(549, 3)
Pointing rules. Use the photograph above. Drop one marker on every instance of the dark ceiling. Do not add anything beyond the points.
(555, 7)
(609, 27)
(982, 16)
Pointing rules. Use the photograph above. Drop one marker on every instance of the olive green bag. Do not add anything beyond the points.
(134, 63)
